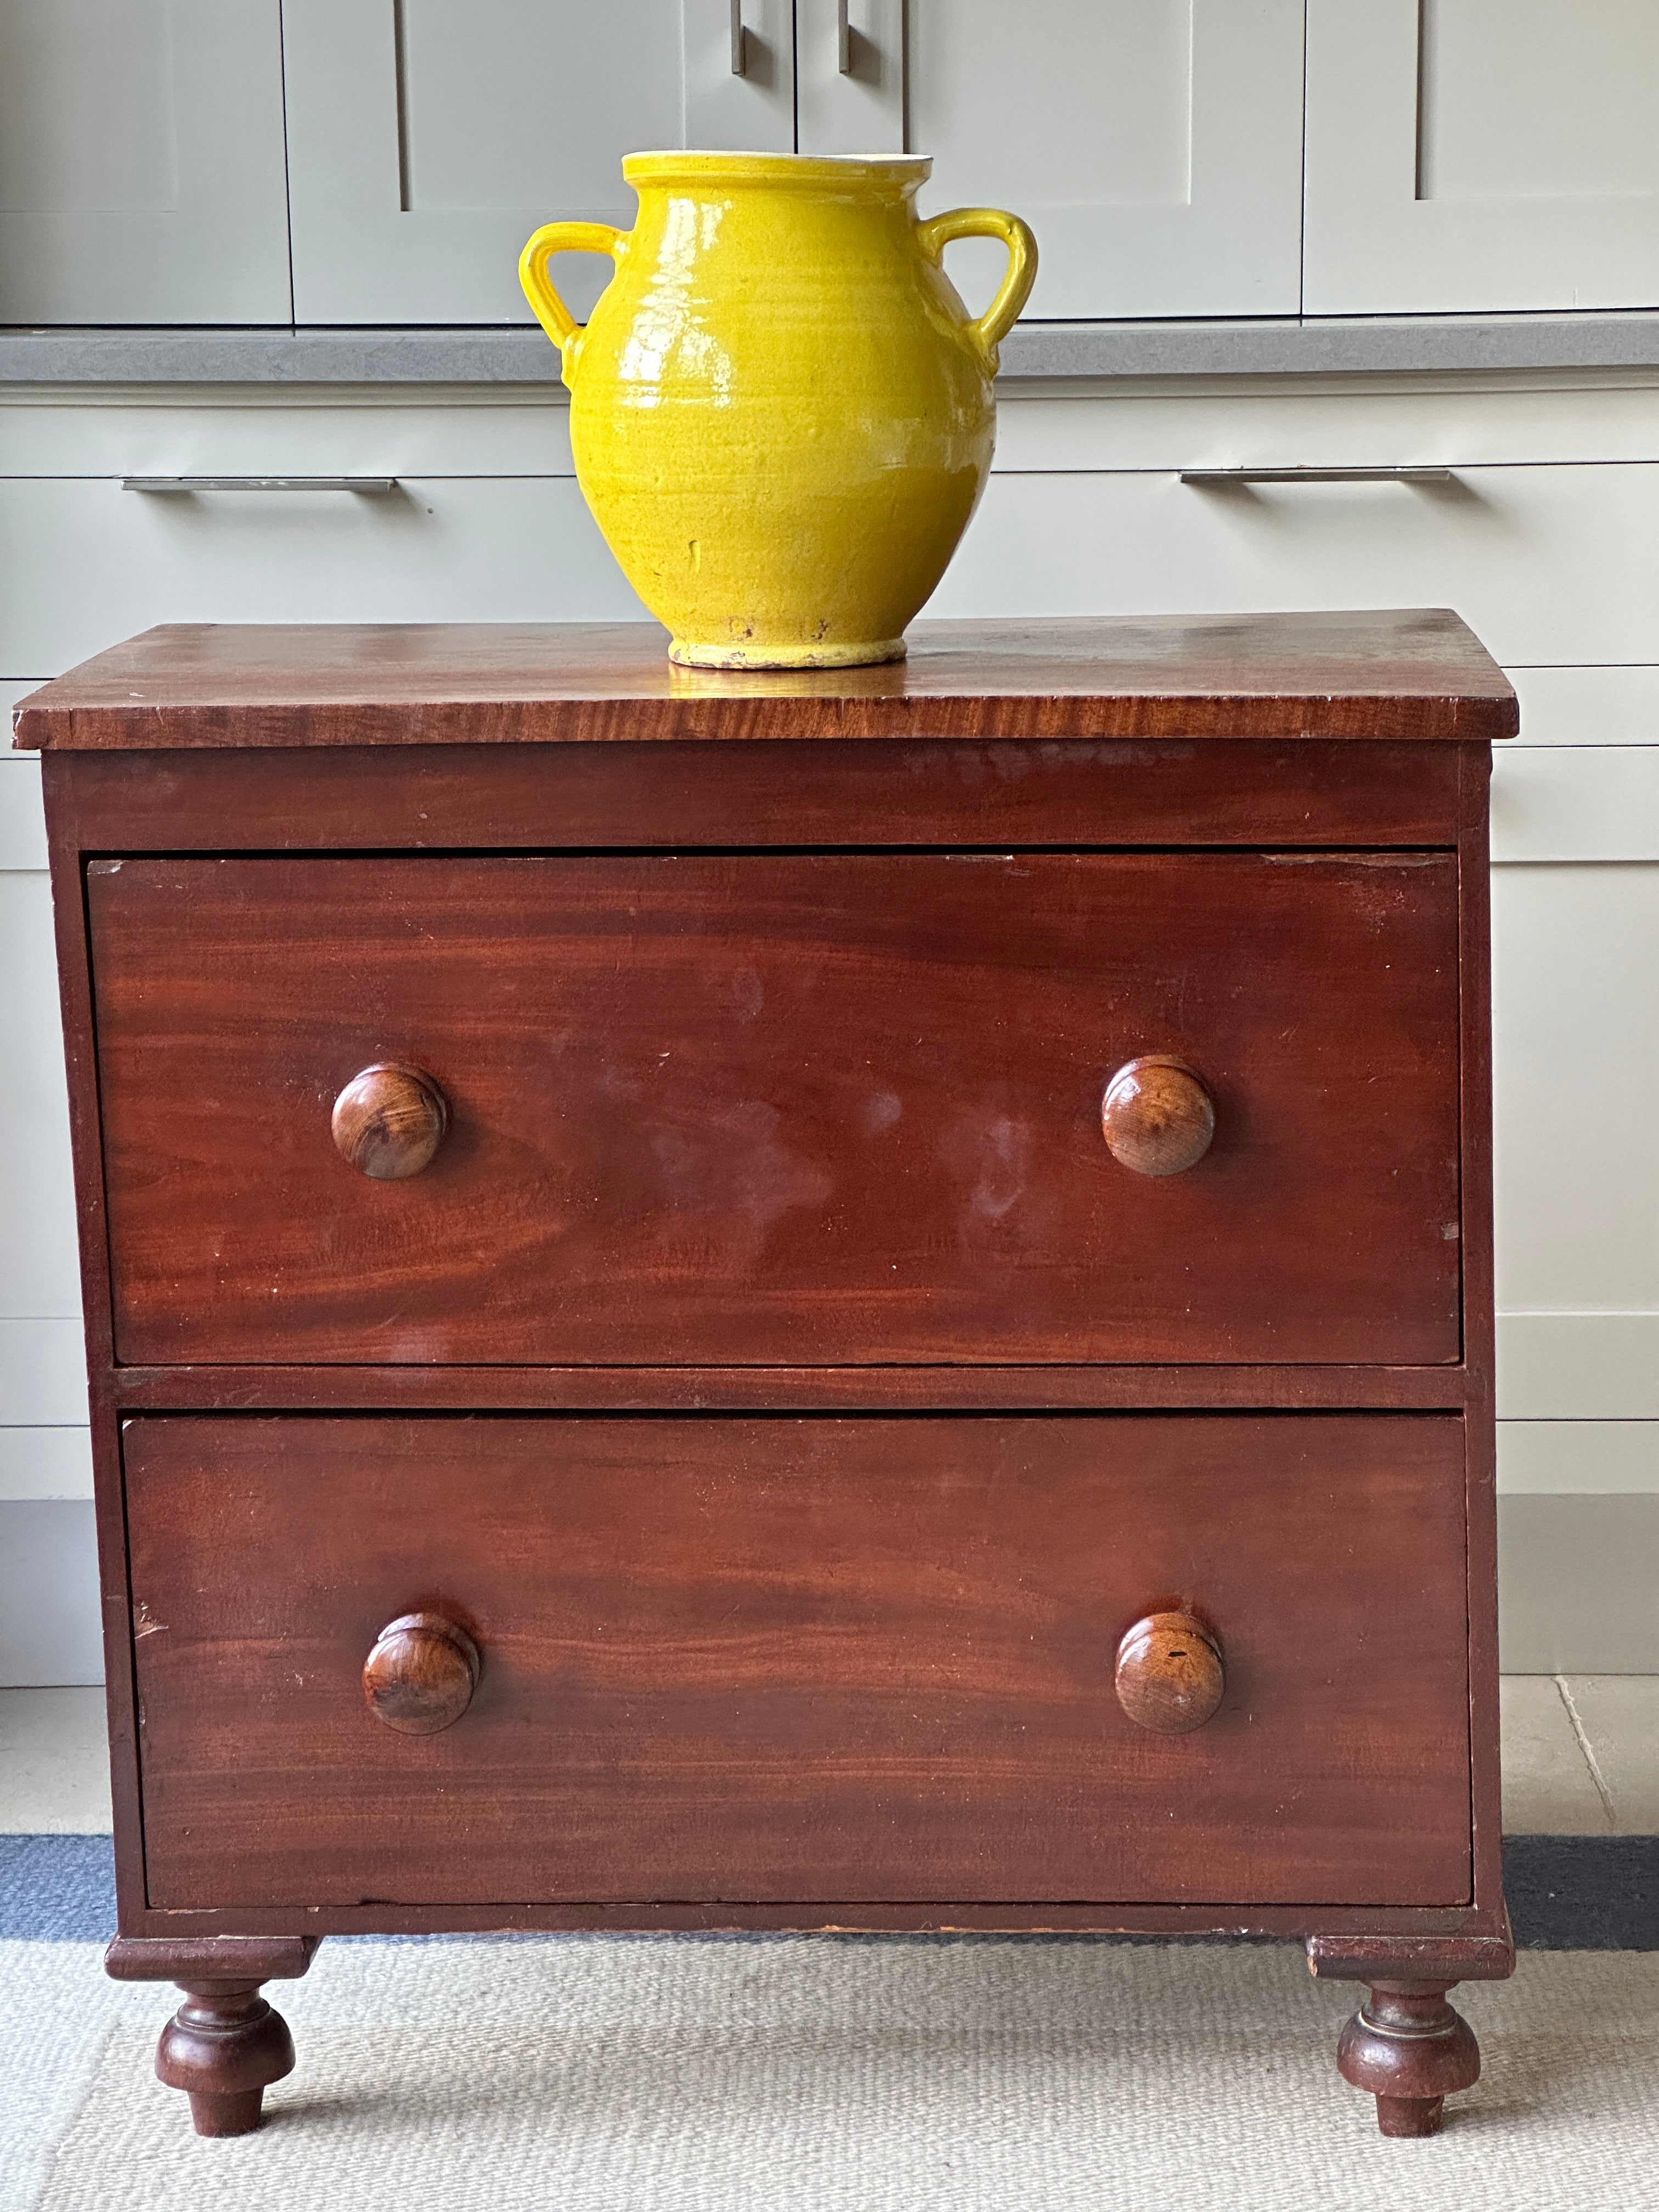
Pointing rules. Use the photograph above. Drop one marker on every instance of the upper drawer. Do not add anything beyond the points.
(781, 1108)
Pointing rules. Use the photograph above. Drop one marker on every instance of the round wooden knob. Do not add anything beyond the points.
(1169, 1675)
(388, 1121)
(421, 1674)
(1157, 1116)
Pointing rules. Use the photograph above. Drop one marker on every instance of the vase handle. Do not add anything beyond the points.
(998, 318)
(554, 318)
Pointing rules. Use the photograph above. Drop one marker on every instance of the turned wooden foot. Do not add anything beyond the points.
(224, 2046)
(1406, 2044)
(1410, 2050)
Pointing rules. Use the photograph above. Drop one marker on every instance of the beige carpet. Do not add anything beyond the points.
(644, 2075)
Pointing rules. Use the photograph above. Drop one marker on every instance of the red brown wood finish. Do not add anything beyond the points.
(1157, 1117)
(388, 1121)
(801, 1389)
(225, 2046)
(1068, 793)
(681, 1326)
(420, 1674)
(811, 1109)
(1415, 674)
(780, 1658)
(1169, 1675)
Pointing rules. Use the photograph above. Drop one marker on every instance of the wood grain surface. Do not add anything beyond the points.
(801, 1111)
(388, 1121)
(1308, 1387)
(1414, 674)
(1170, 1676)
(421, 1673)
(776, 1659)
(1157, 1117)
(860, 791)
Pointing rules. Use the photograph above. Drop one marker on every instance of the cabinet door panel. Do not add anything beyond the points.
(427, 142)
(752, 107)
(1153, 145)
(1481, 154)
(858, 108)
(141, 162)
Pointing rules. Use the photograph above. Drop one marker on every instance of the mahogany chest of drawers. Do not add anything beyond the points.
(858, 1300)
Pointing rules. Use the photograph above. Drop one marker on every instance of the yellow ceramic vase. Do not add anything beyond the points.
(782, 412)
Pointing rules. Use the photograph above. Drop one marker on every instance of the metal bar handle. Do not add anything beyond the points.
(740, 41)
(260, 484)
(1404, 474)
(843, 39)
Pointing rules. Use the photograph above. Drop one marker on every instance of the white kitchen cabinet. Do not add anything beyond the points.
(39, 1266)
(1576, 1056)
(45, 1462)
(1614, 709)
(39, 1269)
(158, 157)
(1154, 146)
(1575, 802)
(427, 141)
(265, 431)
(1482, 156)
(141, 162)
(435, 549)
(44, 1450)
(1548, 564)
(739, 57)
(48, 1585)
(850, 72)
(1455, 421)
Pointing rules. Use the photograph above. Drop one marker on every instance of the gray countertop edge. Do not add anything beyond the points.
(1326, 346)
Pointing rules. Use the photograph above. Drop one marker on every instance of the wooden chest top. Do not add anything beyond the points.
(1414, 675)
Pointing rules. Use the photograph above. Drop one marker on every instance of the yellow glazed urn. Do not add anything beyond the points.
(782, 412)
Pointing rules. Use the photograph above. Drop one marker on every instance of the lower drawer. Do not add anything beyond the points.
(779, 1659)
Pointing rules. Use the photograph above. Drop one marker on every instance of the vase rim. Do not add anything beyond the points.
(673, 165)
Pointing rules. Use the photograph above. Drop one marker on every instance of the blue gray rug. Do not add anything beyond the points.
(1565, 1892)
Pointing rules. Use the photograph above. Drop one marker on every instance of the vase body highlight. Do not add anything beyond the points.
(780, 411)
